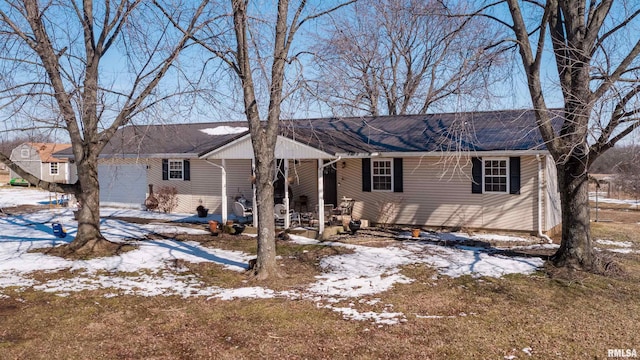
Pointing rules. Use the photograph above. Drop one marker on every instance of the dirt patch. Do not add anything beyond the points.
(91, 250)
(8, 309)
(136, 220)
(22, 209)
(374, 237)
(626, 216)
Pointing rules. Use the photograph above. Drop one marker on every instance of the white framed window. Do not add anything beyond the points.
(54, 168)
(495, 175)
(382, 175)
(176, 170)
(24, 153)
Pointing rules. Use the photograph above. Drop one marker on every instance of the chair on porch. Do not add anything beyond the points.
(328, 215)
(243, 214)
(280, 214)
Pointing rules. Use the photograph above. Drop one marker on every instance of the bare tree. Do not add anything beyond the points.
(264, 135)
(257, 52)
(395, 57)
(595, 46)
(86, 67)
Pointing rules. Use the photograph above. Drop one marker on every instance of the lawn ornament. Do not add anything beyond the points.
(58, 230)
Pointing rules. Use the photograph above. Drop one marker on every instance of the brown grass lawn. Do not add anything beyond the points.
(578, 316)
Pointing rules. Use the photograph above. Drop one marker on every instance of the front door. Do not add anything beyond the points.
(330, 183)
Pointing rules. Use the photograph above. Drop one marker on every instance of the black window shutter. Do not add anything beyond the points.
(397, 175)
(476, 175)
(366, 175)
(514, 175)
(187, 170)
(165, 169)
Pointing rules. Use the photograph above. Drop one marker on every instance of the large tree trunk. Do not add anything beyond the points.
(576, 250)
(89, 239)
(266, 264)
(583, 36)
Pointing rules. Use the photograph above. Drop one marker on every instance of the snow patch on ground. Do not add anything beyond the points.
(624, 244)
(601, 197)
(496, 237)
(347, 282)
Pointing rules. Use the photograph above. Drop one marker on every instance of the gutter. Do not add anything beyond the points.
(540, 233)
(332, 161)
(407, 154)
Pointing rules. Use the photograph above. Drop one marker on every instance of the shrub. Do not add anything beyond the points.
(167, 198)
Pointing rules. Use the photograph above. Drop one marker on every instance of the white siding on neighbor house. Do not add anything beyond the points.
(31, 164)
(60, 177)
(438, 193)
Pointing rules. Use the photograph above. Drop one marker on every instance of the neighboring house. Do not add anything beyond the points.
(482, 170)
(4, 173)
(38, 159)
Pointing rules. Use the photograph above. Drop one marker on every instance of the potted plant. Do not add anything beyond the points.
(202, 211)
(354, 225)
(213, 227)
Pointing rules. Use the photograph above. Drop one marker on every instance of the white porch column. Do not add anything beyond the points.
(223, 194)
(320, 197)
(287, 218)
(223, 182)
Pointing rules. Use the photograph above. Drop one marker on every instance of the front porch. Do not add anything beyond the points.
(304, 180)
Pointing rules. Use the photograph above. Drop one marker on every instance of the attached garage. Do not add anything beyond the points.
(123, 185)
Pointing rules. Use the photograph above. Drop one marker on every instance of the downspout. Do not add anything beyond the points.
(321, 193)
(287, 218)
(254, 194)
(540, 233)
(223, 183)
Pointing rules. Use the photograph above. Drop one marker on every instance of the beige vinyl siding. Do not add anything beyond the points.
(305, 181)
(438, 193)
(238, 181)
(205, 186)
(185, 189)
(199, 190)
(518, 212)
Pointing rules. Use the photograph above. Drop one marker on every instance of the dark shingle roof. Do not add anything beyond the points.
(479, 131)
(472, 131)
(170, 139)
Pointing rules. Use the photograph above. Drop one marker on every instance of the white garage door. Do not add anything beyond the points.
(122, 185)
